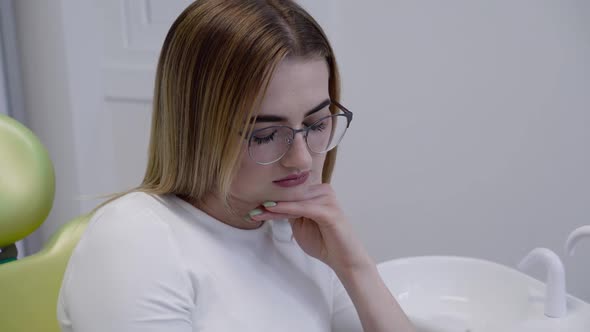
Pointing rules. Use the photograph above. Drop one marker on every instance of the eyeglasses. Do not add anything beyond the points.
(328, 126)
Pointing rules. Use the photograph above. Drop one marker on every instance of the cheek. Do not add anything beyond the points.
(248, 169)
(318, 166)
(249, 177)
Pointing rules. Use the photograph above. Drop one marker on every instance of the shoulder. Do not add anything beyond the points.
(127, 240)
(127, 229)
(134, 212)
(127, 264)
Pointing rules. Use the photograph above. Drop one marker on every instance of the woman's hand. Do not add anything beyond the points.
(321, 229)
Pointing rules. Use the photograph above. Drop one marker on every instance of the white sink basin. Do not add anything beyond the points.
(460, 294)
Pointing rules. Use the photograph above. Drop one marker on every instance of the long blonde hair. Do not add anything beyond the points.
(214, 67)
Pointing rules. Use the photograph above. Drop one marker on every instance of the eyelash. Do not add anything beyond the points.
(265, 139)
(319, 127)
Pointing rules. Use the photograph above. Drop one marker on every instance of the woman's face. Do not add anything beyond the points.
(297, 87)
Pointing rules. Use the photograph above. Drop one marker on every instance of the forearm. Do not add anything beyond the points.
(377, 308)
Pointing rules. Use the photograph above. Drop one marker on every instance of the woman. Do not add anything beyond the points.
(235, 225)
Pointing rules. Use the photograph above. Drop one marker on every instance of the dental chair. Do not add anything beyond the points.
(29, 287)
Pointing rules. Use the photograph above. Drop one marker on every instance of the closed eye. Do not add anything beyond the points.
(264, 139)
(318, 126)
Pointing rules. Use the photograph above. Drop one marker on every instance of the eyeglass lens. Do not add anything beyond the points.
(270, 144)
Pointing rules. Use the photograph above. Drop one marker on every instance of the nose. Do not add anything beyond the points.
(298, 156)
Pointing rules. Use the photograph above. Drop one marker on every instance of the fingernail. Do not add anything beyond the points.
(269, 204)
(254, 212)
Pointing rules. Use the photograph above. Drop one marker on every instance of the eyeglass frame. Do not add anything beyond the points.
(348, 114)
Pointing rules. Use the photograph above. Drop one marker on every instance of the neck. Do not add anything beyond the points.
(213, 206)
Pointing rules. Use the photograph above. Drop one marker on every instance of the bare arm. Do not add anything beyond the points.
(377, 308)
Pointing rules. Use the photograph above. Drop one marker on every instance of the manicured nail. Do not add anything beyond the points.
(269, 204)
(255, 212)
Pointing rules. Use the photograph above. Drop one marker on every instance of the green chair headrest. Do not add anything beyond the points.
(27, 181)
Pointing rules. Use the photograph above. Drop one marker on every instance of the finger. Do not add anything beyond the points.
(313, 191)
(273, 216)
(307, 209)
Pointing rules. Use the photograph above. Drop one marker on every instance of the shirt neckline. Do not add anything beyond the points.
(217, 224)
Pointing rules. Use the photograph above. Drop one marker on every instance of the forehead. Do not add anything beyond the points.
(297, 85)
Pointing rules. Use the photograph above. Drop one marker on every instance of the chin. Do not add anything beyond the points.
(289, 194)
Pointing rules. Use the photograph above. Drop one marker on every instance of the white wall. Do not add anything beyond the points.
(471, 122)
(11, 99)
(47, 103)
(472, 127)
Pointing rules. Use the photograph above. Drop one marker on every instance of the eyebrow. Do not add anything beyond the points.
(276, 118)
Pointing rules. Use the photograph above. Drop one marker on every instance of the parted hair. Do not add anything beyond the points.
(213, 70)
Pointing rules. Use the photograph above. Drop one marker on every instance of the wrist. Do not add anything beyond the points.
(353, 270)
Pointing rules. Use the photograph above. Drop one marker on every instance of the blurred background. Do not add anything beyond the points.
(471, 134)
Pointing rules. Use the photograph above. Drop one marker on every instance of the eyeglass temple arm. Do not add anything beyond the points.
(347, 113)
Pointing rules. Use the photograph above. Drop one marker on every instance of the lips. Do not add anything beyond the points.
(292, 180)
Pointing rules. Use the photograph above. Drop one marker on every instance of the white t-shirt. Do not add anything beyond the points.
(156, 263)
